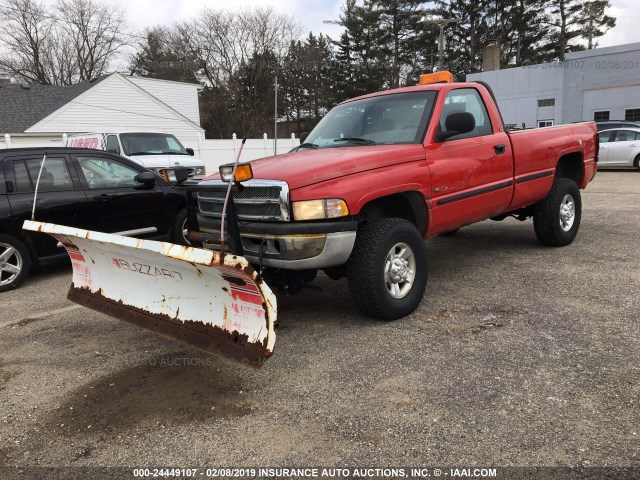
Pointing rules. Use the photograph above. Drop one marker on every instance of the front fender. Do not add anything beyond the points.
(359, 189)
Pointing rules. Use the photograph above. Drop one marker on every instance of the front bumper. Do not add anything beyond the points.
(292, 246)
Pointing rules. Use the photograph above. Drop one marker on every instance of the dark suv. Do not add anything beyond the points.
(79, 188)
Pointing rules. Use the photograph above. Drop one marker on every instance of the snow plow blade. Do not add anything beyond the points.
(192, 295)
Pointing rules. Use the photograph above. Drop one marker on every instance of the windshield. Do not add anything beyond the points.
(382, 120)
(151, 144)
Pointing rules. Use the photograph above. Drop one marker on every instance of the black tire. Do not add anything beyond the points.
(18, 257)
(636, 163)
(366, 268)
(179, 227)
(308, 276)
(547, 219)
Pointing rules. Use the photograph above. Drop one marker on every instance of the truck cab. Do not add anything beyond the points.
(153, 150)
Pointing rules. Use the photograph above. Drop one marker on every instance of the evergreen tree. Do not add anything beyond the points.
(566, 18)
(400, 26)
(595, 22)
(162, 56)
(529, 34)
(361, 46)
(292, 82)
(465, 40)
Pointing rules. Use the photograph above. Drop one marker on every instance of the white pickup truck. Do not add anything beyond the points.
(152, 150)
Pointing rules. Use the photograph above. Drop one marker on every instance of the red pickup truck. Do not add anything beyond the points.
(382, 172)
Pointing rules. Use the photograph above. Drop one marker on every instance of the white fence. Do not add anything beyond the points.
(218, 152)
(212, 152)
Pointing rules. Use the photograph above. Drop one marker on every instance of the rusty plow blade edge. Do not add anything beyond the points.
(192, 295)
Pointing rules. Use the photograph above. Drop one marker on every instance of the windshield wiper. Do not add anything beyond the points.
(355, 140)
(307, 145)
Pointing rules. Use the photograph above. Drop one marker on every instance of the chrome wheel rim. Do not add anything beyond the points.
(400, 270)
(185, 232)
(10, 263)
(567, 212)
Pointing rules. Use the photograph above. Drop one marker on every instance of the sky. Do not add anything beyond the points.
(312, 13)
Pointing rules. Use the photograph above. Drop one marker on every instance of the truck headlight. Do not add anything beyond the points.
(200, 171)
(319, 209)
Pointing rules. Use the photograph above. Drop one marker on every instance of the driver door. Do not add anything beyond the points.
(117, 203)
(471, 173)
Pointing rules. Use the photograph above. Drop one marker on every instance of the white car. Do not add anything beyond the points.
(620, 147)
(155, 151)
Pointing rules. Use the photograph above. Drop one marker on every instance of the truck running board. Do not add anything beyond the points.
(219, 305)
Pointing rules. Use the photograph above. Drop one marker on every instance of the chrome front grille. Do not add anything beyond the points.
(257, 200)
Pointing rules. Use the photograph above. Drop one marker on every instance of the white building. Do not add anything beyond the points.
(598, 84)
(38, 115)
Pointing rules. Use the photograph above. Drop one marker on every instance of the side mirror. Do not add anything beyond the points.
(146, 179)
(303, 136)
(190, 151)
(181, 173)
(456, 124)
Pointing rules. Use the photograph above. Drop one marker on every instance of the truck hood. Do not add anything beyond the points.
(166, 161)
(306, 167)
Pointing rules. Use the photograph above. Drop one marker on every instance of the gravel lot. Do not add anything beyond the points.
(519, 355)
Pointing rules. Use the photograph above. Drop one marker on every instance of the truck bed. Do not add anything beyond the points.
(536, 153)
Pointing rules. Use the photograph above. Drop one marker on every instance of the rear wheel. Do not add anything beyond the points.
(15, 263)
(387, 270)
(556, 219)
(636, 163)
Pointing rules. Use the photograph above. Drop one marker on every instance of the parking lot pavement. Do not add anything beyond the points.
(518, 355)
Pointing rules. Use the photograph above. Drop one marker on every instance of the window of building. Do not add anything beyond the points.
(632, 115)
(601, 115)
(545, 123)
(546, 102)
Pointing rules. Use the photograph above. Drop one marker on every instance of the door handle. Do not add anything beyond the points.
(104, 196)
(499, 149)
(632, 146)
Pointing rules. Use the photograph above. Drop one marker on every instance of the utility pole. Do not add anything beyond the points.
(275, 117)
(442, 22)
(431, 62)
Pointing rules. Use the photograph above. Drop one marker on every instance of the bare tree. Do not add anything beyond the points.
(97, 33)
(26, 41)
(224, 40)
(76, 40)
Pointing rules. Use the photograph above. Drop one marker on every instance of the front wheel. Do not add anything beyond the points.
(15, 263)
(179, 230)
(636, 163)
(556, 219)
(387, 270)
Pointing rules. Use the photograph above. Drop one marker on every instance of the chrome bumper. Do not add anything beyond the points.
(290, 245)
(306, 253)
